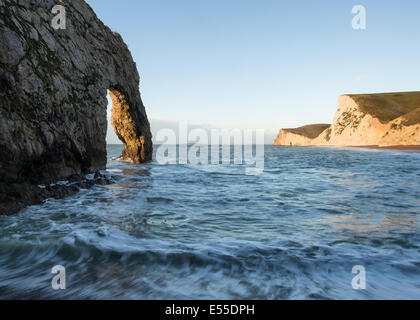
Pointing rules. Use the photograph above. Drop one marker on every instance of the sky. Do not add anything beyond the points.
(265, 64)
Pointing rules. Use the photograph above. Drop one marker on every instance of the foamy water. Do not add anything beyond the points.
(212, 232)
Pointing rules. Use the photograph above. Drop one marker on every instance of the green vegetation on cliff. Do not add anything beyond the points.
(310, 131)
(387, 106)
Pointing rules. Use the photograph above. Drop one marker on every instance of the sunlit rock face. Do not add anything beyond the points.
(53, 89)
(125, 125)
(384, 120)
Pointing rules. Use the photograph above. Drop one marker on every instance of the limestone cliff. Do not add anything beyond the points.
(302, 136)
(390, 119)
(53, 89)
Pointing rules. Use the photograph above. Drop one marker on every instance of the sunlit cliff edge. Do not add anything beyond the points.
(383, 120)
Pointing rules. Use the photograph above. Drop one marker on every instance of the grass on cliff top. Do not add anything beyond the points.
(388, 106)
(411, 118)
(310, 131)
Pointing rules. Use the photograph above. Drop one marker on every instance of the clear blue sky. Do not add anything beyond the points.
(264, 64)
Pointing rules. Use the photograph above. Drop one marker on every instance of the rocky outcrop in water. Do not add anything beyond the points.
(383, 120)
(53, 89)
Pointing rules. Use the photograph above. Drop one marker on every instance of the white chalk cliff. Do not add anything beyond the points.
(390, 119)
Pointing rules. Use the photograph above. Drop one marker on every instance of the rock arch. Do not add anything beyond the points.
(53, 98)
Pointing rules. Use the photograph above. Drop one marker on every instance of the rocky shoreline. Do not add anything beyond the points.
(23, 195)
(402, 147)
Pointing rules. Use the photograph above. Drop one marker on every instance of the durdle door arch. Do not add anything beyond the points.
(54, 83)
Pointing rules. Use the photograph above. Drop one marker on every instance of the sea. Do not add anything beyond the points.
(316, 223)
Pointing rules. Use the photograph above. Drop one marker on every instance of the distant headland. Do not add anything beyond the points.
(388, 120)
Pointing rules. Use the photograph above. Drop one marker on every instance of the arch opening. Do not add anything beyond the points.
(124, 126)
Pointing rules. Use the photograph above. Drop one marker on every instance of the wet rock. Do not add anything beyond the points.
(11, 47)
(60, 191)
(15, 197)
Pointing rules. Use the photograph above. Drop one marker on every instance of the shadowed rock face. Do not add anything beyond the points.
(53, 89)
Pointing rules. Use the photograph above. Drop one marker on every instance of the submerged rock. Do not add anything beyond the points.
(53, 98)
